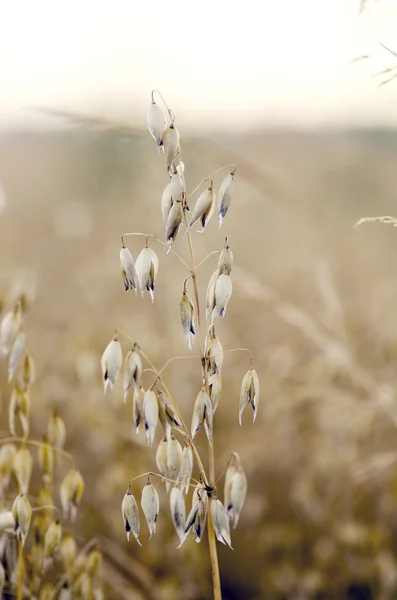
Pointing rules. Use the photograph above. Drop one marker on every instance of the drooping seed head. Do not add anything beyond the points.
(19, 408)
(28, 372)
(22, 467)
(197, 518)
(226, 258)
(130, 514)
(215, 389)
(46, 458)
(249, 393)
(146, 267)
(68, 551)
(167, 414)
(132, 371)
(235, 488)
(161, 461)
(150, 414)
(198, 413)
(213, 352)
(56, 430)
(71, 493)
(220, 521)
(156, 122)
(174, 458)
(222, 293)
(210, 296)
(150, 505)
(203, 208)
(208, 417)
(187, 318)
(166, 202)
(178, 512)
(173, 223)
(137, 401)
(22, 513)
(225, 196)
(52, 542)
(17, 350)
(186, 468)
(171, 146)
(127, 269)
(9, 328)
(111, 362)
(177, 185)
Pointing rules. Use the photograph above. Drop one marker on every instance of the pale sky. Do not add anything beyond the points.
(216, 61)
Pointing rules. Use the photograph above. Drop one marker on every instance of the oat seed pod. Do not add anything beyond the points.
(68, 551)
(9, 328)
(52, 541)
(132, 372)
(44, 502)
(127, 269)
(146, 267)
(215, 389)
(46, 459)
(178, 512)
(225, 196)
(22, 513)
(28, 372)
(226, 258)
(171, 145)
(71, 493)
(111, 362)
(199, 493)
(94, 561)
(235, 488)
(249, 393)
(167, 415)
(213, 352)
(19, 408)
(196, 520)
(7, 453)
(210, 296)
(177, 185)
(130, 514)
(166, 202)
(174, 458)
(187, 319)
(7, 521)
(220, 521)
(150, 506)
(156, 122)
(150, 415)
(203, 208)
(198, 413)
(208, 417)
(161, 461)
(137, 400)
(56, 430)
(22, 467)
(222, 293)
(173, 223)
(186, 468)
(16, 354)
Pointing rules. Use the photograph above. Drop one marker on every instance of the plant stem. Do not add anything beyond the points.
(216, 581)
(20, 571)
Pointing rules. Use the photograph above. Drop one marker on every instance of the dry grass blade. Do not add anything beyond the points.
(384, 220)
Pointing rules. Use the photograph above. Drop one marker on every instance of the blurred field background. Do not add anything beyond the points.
(313, 298)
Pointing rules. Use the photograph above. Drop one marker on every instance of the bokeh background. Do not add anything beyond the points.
(266, 86)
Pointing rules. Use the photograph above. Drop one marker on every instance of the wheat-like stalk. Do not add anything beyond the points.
(152, 400)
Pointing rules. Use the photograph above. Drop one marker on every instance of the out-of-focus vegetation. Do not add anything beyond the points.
(315, 301)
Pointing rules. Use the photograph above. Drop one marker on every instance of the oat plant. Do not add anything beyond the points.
(154, 405)
(39, 555)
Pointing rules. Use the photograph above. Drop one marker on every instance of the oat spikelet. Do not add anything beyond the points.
(187, 318)
(150, 505)
(130, 514)
(132, 372)
(225, 196)
(156, 122)
(220, 521)
(249, 393)
(146, 267)
(235, 489)
(127, 269)
(9, 328)
(178, 512)
(203, 208)
(22, 513)
(111, 362)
